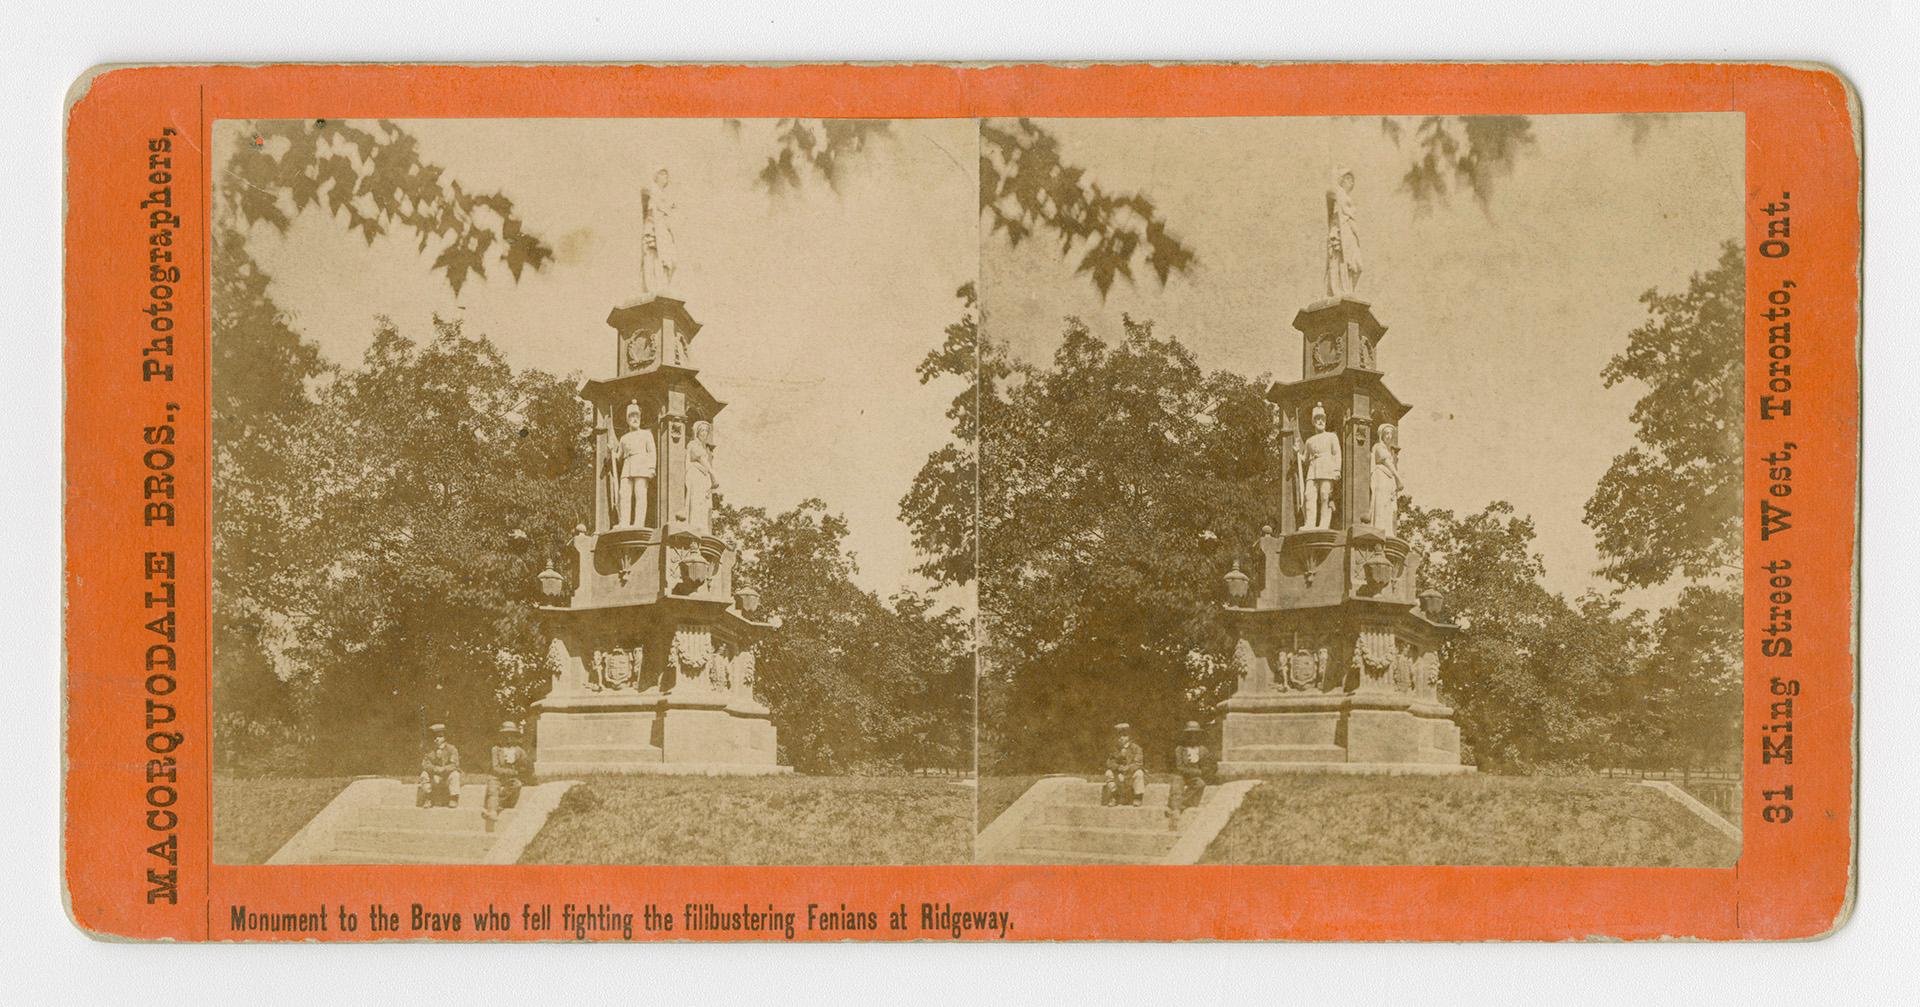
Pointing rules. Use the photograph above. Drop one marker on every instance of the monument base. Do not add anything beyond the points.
(1342, 733)
(693, 733)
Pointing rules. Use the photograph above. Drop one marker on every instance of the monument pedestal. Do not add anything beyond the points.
(1344, 734)
(650, 733)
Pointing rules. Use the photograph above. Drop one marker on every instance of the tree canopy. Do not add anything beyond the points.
(1105, 483)
(1670, 504)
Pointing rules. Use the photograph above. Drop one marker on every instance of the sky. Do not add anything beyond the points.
(816, 305)
(1499, 319)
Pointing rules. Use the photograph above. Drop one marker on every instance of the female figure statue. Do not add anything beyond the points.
(658, 256)
(701, 482)
(1386, 479)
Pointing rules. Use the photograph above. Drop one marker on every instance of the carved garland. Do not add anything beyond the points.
(744, 672)
(1244, 663)
(1373, 654)
(691, 651)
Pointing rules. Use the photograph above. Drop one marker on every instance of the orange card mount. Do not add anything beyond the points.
(466, 468)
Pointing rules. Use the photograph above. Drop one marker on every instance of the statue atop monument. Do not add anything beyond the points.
(658, 256)
(1321, 459)
(1343, 237)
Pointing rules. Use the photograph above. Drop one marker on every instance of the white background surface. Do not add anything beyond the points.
(45, 958)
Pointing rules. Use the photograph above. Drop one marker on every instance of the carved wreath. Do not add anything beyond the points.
(692, 649)
(1327, 352)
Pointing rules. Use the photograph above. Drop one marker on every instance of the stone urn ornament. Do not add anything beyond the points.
(1236, 582)
(1377, 571)
(695, 568)
(748, 599)
(551, 582)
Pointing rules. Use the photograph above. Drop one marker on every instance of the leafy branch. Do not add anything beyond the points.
(376, 179)
(814, 146)
(1026, 187)
(1460, 151)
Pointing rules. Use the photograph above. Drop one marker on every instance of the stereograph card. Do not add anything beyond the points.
(1308, 502)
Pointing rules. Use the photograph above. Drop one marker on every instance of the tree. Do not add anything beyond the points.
(1693, 679)
(942, 505)
(1668, 509)
(1536, 683)
(444, 482)
(268, 433)
(1670, 505)
(855, 684)
(262, 509)
(1026, 188)
(1110, 486)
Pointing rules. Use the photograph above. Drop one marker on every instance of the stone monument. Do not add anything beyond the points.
(1336, 647)
(653, 647)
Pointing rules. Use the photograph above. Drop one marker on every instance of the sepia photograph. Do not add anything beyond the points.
(1361, 490)
(899, 502)
(571, 491)
(620, 491)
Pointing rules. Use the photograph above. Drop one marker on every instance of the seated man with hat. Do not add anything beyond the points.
(1126, 770)
(1192, 764)
(439, 772)
(511, 769)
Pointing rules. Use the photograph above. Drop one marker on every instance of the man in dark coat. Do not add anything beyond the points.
(1192, 765)
(511, 770)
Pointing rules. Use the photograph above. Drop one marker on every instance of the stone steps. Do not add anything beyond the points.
(1147, 816)
(471, 796)
(1089, 793)
(1060, 820)
(466, 817)
(375, 821)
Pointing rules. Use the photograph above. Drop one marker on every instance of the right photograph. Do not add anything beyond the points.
(1360, 490)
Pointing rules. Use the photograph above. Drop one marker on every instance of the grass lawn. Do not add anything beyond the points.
(1478, 819)
(254, 816)
(758, 820)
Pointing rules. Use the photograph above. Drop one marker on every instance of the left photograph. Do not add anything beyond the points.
(582, 488)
